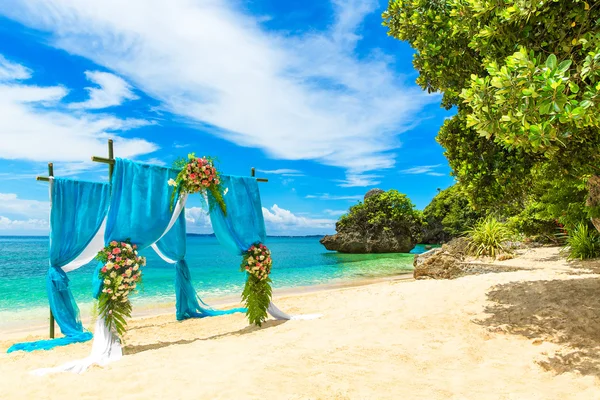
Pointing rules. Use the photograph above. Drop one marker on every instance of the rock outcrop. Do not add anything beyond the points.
(450, 262)
(362, 242)
(442, 263)
(358, 232)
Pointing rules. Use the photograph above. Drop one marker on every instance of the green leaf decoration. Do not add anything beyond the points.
(257, 296)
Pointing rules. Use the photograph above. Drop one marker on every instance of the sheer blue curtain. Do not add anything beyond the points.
(139, 210)
(244, 224)
(188, 304)
(139, 206)
(77, 211)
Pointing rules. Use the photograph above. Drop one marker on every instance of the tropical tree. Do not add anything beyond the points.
(449, 215)
(524, 77)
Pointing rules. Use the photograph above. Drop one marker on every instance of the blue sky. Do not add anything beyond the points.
(314, 94)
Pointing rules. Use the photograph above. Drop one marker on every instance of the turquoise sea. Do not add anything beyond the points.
(298, 261)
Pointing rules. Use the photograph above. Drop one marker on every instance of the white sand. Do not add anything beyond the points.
(389, 340)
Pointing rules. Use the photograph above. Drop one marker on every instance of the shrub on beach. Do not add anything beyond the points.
(487, 237)
(583, 243)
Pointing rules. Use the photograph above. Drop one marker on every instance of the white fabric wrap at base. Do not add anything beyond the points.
(278, 314)
(106, 348)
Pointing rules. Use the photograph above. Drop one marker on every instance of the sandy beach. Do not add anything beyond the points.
(530, 334)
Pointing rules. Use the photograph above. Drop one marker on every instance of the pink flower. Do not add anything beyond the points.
(118, 259)
(134, 246)
(113, 243)
(123, 244)
(116, 250)
(110, 256)
(193, 176)
(117, 266)
(103, 270)
(110, 311)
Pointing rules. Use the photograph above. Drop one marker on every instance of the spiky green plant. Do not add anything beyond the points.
(583, 243)
(487, 237)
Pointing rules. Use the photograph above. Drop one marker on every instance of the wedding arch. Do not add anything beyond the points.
(143, 206)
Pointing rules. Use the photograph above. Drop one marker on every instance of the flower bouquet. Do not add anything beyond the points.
(197, 175)
(120, 275)
(257, 292)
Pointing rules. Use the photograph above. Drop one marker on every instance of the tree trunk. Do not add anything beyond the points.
(593, 199)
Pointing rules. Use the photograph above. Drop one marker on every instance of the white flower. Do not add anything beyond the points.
(114, 297)
(172, 182)
(113, 274)
(129, 261)
(109, 265)
(261, 258)
(107, 281)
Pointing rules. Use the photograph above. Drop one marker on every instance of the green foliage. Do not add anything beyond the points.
(390, 210)
(202, 169)
(525, 79)
(120, 274)
(257, 264)
(448, 215)
(257, 296)
(583, 243)
(115, 313)
(487, 237)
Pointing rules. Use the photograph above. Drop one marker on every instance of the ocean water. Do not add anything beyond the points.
(298, 261)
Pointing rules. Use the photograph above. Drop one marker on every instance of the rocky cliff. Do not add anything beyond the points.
(386, 222)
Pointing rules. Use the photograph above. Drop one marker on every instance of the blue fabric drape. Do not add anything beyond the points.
(77, 211)
(244, 224)
(139, 210)
(140, 203)
(139, 206)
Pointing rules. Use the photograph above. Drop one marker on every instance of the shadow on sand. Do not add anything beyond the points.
(565, 312)
(134, 349)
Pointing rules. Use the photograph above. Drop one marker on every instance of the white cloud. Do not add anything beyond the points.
(10, 71)
(308, 96)
(282, 172)
(279, 220)
(34, 126)
(197, 220)
(113, 91)
(335, 213)
(327, 196)
(10, 203)
(359, 180)
(423, 169)
(23, 226)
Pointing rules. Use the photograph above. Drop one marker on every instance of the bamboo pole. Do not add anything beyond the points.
(253, 174)
(111, 166)
(51, 173)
